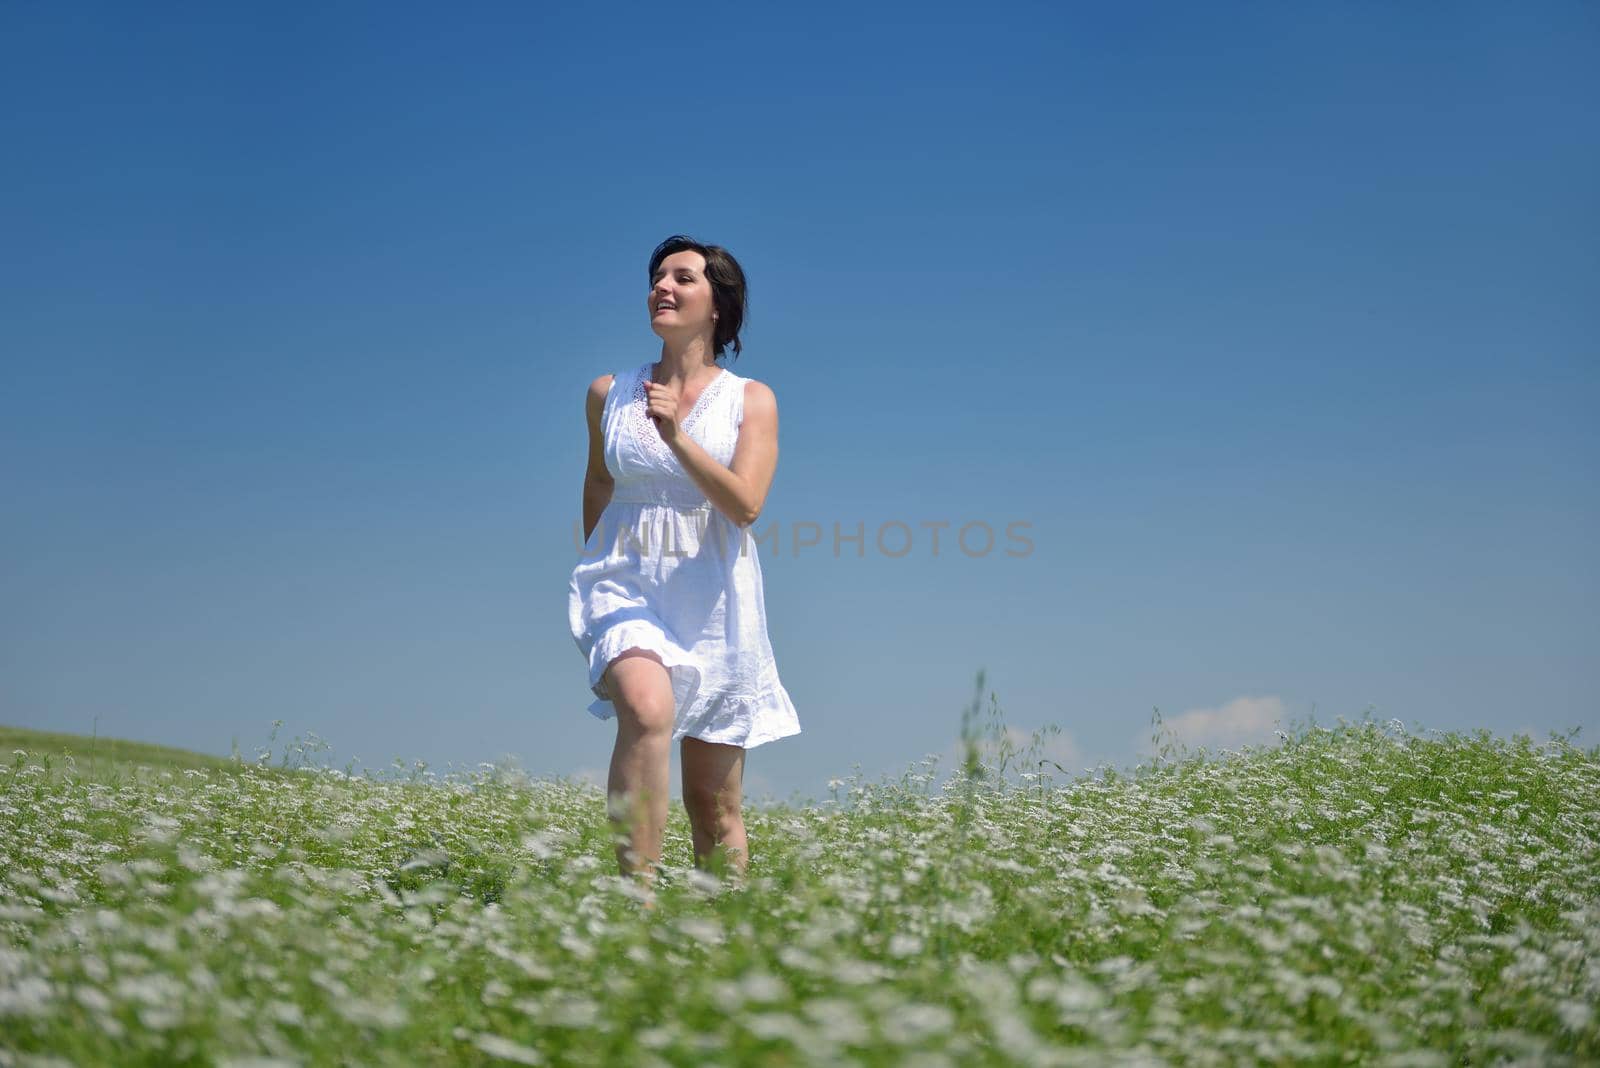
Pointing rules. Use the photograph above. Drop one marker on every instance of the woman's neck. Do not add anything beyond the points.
(684, 364)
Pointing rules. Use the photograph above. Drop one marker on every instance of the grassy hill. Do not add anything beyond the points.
(101, 758)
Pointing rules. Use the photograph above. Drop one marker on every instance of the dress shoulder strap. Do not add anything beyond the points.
(622, 384)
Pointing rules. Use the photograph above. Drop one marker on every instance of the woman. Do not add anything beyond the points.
(667, 602)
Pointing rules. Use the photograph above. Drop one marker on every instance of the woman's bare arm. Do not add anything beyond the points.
(738, 491)
(597, 481)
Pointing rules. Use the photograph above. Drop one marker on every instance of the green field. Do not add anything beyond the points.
(1355, 895)
(98, 758)
(110, 759)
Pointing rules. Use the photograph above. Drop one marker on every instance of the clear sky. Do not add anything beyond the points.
(1274, 326)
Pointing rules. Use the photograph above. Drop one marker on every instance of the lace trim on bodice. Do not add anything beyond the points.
(644, 428)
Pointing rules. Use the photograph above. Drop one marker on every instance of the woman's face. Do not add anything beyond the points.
(680, 296)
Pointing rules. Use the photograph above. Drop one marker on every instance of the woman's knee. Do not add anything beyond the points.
(712, 779)
(710, 807)
(641, 691)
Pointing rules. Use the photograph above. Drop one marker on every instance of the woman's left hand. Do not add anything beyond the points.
(662, 406)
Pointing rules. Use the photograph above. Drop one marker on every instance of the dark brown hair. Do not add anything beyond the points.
(728, 290)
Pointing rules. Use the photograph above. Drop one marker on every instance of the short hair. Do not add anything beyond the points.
(729, 292)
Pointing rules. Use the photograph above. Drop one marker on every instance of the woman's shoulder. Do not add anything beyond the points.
(757, 391)
(756, 398)
(601, 386)
(598, 392)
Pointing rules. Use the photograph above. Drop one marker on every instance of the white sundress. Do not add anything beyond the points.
(664, 570)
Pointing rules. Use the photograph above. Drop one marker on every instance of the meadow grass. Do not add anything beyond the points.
(1357, 894)
(113, 759)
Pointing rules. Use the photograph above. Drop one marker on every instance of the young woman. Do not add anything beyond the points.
(666, 603)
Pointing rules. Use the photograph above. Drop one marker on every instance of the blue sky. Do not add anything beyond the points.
(1275, 326)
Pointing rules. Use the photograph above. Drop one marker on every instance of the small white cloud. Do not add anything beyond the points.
(1242, 721)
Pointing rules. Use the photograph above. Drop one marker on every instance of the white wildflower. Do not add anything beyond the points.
(91, 998)
(507, 1050)
(702, 930)
(911, 1024)
(904, 945)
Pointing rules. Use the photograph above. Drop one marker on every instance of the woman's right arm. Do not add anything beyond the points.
(597, 481)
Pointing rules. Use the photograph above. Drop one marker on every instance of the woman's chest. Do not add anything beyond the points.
(633, 439)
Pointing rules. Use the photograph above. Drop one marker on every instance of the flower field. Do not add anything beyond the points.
(1355, 895)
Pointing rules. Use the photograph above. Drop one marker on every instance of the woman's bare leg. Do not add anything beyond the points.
(636, 791)
(713, 778)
